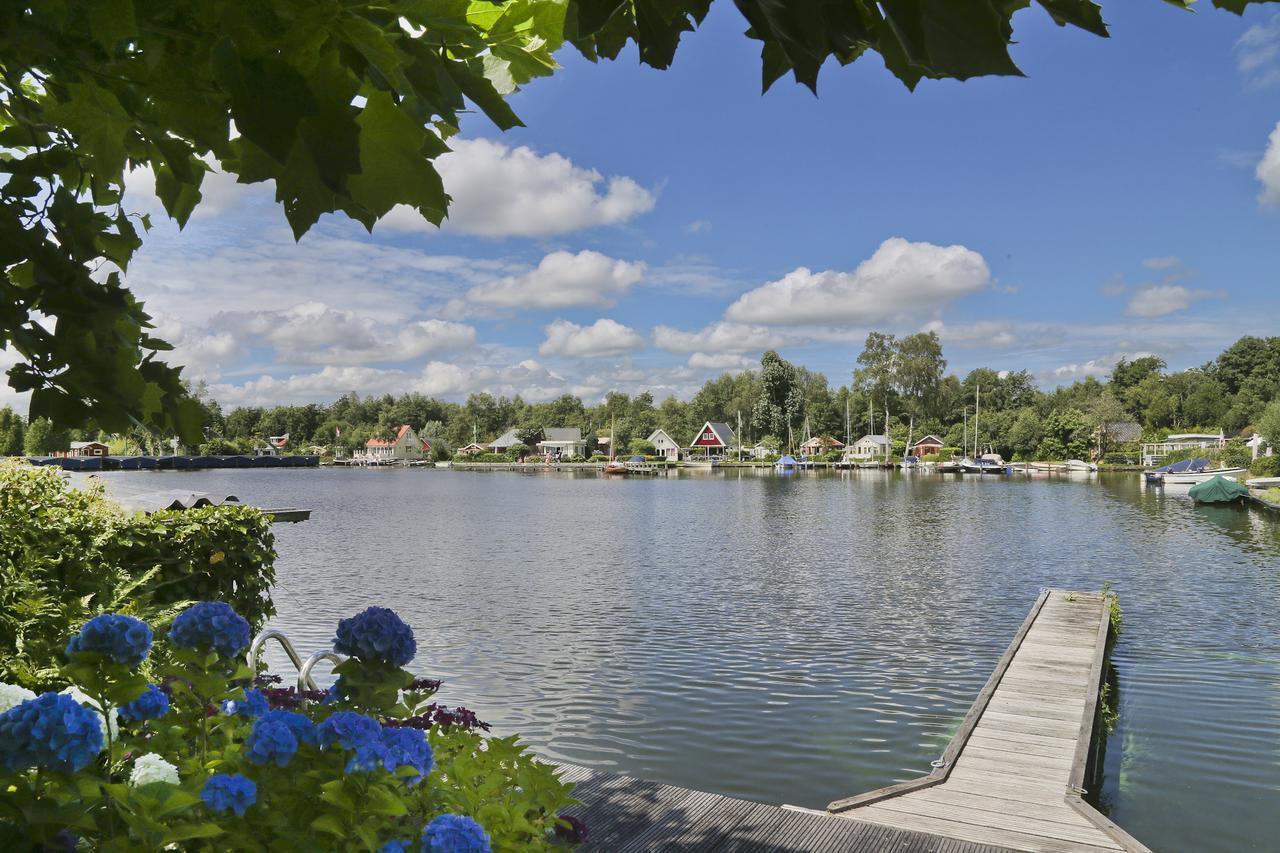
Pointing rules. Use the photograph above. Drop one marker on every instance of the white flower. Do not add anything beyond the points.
(152, 768)
(89, 702)
(11, 696)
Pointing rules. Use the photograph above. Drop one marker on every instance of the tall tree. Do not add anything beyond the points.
(918, 370)
(780, 406)
(12, 432)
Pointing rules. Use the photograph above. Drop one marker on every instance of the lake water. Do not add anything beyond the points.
(802, 638)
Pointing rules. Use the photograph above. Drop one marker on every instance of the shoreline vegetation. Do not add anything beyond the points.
(903, 381)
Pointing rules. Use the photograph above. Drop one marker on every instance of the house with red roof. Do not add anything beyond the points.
(712, 440)
(405, 447)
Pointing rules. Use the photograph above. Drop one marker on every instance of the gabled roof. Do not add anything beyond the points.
(400, 434)
(930, 439)
(507, 439)
(723, 433)
(558, 434)
(823, 441)
(660, 433)
(874, 439)
(80, 445)
(1124, 431)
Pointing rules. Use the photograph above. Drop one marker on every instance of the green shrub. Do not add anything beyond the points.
(374, 762)
(1120, 457)
(66, 555)
(1236, 456)
(1266, 466)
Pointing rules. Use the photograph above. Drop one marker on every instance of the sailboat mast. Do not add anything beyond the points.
(977, 405)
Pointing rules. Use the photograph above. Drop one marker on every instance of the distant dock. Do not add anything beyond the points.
(1012, 778)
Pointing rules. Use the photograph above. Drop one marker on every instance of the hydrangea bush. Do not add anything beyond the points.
(215, 758)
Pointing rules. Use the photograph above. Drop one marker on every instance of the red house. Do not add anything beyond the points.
(713, 439)
(926, 446)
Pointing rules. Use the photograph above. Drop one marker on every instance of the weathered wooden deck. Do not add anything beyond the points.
(627, 814)
(1011, 779)
(1014, 773)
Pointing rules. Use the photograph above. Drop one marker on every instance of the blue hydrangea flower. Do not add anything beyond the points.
(211, 625)
(224, 792)
(454, 833)
(377, 634)
(151, 705)
(253, 705)
(405, 747)
(53, 731)
(122, 638)
(334, 693)
(271, 740)
(349, 729)
(301, 726)
(395, 846)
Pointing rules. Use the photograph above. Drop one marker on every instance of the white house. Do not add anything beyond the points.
(713, 439)
(763, 451)
(665, 445)
(562, 442)
(1154, 452)
(405, 447)
(869, 447)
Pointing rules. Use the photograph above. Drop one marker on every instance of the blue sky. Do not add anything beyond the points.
(648, 230)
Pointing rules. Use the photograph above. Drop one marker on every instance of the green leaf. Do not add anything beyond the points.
(330, 824)
(394, 162)
(382, 801)
(186, 832)
(269, 97)
(112, 21)
(1084, 14)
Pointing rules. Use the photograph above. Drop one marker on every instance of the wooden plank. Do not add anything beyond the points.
(1073, 829)
(982, 834)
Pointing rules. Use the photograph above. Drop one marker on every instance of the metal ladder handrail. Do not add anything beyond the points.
(305, 681)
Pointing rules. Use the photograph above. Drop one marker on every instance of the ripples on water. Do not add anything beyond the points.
(799, 639)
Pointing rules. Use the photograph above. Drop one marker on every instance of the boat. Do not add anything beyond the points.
(1182, 466)
(1079, 465)
(786, 463)
(1218, 490)
(616, 468)
(1193, 477)
(444, 464)
(951, 466)
(987, 463)
(1263, 483)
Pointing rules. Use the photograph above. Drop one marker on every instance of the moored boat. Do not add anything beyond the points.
(1079, 465)
(616, 468)
(1193, 477)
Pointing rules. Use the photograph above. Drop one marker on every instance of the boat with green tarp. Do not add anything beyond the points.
(1219, 490)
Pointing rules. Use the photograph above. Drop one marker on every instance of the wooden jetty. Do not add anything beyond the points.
(1012, 778)
(627, 815)
(1014, 773)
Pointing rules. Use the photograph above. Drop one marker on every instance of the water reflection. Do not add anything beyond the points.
(805, 637)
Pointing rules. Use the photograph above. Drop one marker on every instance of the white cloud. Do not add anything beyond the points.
(720, 361)
(1162, 263)
(901, 278)
(219, 193)
(314, 333)
(698, 226)
(1258, 54)
(604, 337)
(983, 333)
(563, 280)
(1157, 300)
(718, 337)
(1268, 171)
(500, 191)
(440, 379)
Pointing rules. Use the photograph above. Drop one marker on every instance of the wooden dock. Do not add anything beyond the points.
(628, 815)
(1014, 773)
(1010, 780)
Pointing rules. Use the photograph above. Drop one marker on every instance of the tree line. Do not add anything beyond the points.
(901, 381)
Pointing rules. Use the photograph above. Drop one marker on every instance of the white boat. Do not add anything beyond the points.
(1263, 483)
(445, 464)
(1193, 477)
(1079, 465)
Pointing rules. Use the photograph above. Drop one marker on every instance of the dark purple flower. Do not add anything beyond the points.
(571, 829)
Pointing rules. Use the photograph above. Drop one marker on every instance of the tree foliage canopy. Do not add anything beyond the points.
(342, 104)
